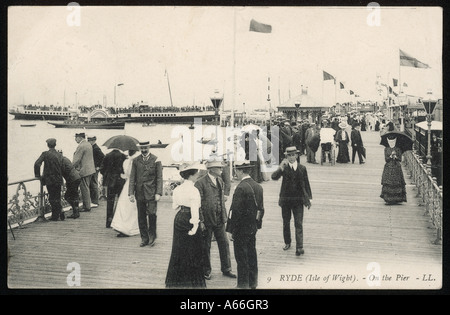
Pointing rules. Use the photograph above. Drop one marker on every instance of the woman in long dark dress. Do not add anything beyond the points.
(393, 189)
(342, 141)
(185, 266)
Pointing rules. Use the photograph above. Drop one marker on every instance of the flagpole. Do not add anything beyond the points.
(335, 91)
(233, 101)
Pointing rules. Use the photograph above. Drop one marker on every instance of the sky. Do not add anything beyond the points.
(65, 54)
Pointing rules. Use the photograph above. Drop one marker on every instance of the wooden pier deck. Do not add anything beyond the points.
(352, 240)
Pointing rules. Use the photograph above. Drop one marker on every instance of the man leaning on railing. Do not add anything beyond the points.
(51, 177)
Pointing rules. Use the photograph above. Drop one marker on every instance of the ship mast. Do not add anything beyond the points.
(168, 83)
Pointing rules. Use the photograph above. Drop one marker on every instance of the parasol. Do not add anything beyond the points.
(122, 142)
(404, 142)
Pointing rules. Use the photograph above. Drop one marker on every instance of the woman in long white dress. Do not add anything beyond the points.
(125, 219)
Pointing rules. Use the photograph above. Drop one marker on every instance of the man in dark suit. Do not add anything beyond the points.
(146, 185)
(73, 180)
(83, 161)
(295, 192)
(247, 211)
(213, 216)
(51, 177)
(111, 169)
(98, 159)
(357, 143)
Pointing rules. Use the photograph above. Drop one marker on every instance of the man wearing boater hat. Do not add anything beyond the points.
(247, 211)
(213, 217)
(295, 193)
(146, 185)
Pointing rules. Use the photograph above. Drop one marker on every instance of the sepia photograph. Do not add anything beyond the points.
(186, 148)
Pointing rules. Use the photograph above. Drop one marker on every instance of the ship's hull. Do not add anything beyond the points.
(164, 117)
(154, 117)
(37, 116)
(115, 125)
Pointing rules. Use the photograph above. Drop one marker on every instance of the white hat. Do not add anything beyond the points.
(145, 144)
(214, 163)
(192, 166)
(343, 125)
(242, 164)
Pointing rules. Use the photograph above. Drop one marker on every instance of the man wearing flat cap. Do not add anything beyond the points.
(83, 161)
(295, 193)
(247, 211)
(146, 186)
(51, 177)
(213, 217)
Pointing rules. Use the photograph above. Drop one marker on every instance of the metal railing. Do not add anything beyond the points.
(24, 206)
(428, 191)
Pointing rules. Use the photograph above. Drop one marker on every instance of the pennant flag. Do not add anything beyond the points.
(341, 85)
(405, 85)
(409, 61)
(395, 82)
(390, 90)
(395, 94)
(351, 92)
(260, 27)
(327, 76)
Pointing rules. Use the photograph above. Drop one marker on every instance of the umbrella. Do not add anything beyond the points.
(122, 142)
(404, 142)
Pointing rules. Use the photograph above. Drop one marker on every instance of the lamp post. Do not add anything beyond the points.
(115, 102)
(429, 103)
(403, 101)
(216, 100)
(297, 106)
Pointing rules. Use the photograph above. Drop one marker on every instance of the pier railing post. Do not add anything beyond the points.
(41, 210)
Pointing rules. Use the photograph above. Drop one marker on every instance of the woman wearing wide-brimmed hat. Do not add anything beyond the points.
(342, 141)
(185, 266)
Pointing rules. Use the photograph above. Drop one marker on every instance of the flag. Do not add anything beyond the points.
(395, 82)
(327, 76)
(341, 85)
(260, 27)
(409, 61)
(405, 85)
(390, 90)
(351, 92)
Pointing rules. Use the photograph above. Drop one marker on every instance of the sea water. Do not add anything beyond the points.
(25, 144)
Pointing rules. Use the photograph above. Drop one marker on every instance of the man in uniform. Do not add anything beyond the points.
(247, 211)
(146, 185)
(98, 159)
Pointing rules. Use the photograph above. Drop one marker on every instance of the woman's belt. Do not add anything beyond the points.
(185, 209)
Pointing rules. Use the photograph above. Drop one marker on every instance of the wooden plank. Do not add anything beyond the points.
(347, 227)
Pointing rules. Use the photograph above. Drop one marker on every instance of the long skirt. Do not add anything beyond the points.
(343, 154)
(393, 189)
(185, 265)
